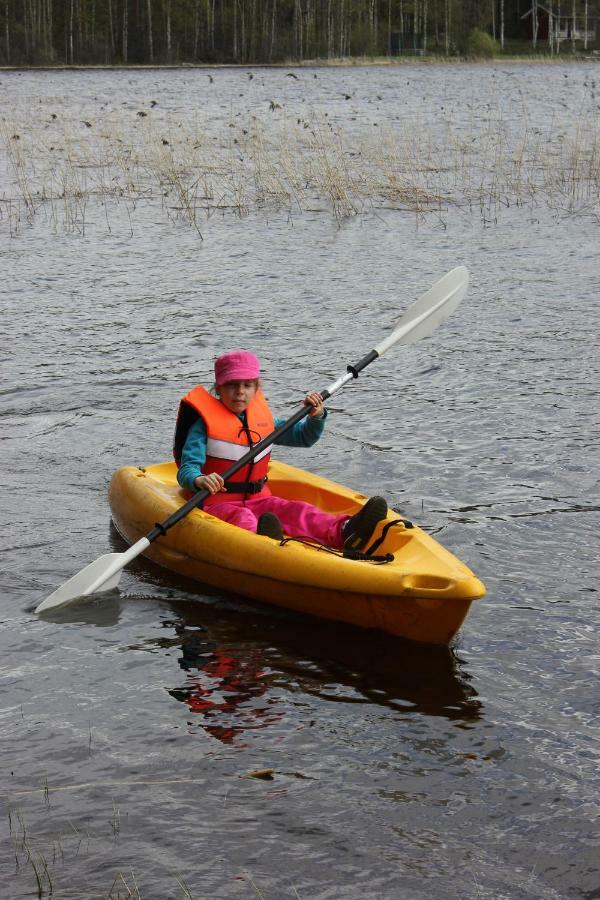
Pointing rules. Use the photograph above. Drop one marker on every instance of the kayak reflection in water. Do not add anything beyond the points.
(224, 688)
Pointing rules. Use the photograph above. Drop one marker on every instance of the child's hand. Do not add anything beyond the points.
(316, 401)
(212, 483)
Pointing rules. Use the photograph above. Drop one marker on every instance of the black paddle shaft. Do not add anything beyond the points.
(162, 527)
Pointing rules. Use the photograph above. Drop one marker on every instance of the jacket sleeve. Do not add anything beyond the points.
(193, 455)
(304, 433)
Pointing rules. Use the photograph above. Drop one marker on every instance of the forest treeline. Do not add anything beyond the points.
(130, 32)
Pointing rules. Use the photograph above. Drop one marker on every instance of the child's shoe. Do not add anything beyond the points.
(270, 526)
(359, 528)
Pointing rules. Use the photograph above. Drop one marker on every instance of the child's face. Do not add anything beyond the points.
(236, 395)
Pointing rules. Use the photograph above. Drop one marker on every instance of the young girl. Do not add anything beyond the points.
(213, 432)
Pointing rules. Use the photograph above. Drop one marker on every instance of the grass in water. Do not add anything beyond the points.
(23, 847)
(61, 169)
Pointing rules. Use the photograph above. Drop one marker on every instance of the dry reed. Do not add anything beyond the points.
(67, 167)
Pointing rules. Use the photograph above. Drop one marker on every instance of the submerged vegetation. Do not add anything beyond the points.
(45, 854)
(76, 172)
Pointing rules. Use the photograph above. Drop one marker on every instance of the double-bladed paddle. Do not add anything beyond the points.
(419, 321)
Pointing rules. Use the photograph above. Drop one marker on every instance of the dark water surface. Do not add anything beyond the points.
(130, 722)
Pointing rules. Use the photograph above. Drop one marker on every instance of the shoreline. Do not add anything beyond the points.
(350, 62)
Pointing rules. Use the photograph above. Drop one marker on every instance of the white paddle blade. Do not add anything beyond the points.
(99, 575)
(429, 311)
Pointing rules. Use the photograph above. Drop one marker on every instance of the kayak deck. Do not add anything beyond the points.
(424, 594)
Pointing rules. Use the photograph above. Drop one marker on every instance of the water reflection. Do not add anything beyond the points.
(236, 661)
(406, 678)
(225, 686)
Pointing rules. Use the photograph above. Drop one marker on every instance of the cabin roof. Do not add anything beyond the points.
(554, 13)
(539, 6)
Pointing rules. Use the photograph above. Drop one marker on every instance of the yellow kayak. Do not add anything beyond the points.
(423, 594)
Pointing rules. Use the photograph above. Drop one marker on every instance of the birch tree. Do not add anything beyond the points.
(7, 32)
(389, 28)
(167, 29)
(447, 25)
(416, 23)
(111, 29)
(71, 14)
(150, 41)
(125, 31)
(273, 29)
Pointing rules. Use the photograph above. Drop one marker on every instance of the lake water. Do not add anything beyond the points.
(130, 722)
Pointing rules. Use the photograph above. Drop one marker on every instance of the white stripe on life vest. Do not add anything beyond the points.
(231, 451)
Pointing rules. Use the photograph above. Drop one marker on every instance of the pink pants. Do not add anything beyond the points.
(298, 519)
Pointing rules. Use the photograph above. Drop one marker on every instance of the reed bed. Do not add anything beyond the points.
(68, 169)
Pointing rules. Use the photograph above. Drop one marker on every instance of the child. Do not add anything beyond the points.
(214, 431)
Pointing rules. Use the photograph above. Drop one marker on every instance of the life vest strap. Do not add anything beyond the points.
(246, 487)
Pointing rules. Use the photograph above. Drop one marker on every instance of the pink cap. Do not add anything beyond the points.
(237, 365)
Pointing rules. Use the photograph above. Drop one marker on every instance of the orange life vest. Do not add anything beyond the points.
(227, 439)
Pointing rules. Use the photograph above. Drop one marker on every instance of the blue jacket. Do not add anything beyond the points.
(303, 434)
